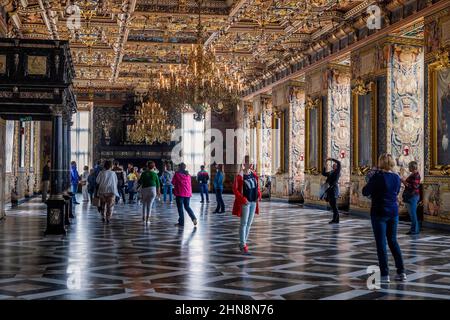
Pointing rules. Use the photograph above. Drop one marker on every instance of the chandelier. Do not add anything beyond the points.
(202, 83)
(151, 125)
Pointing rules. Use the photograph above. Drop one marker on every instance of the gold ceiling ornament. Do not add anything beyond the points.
(442, 59)
(152, 124)
(88, 8)
(311, 103)
(202, 83)
(361, 87)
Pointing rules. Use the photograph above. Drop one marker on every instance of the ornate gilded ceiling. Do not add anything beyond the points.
(133, 40)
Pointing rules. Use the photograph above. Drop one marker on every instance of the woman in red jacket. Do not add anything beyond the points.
(247, 195)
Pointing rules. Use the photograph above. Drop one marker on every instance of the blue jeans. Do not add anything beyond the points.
(184, 202)
(219, 199)
(411, 205)
(385, 228)
(74, 191)
(167, 188)
(204, 190)
(247, 215)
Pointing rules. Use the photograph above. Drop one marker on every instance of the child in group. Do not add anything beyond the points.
(132, 182)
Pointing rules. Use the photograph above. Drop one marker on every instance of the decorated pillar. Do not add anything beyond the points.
(3, 22)
(436, 186)
(288, 137)
(327, 132)
(56, 202)
(261, 141)
(2, 167)
(387, 82)
(338, 126)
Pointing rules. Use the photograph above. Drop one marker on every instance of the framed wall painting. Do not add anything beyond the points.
(439, 118)
(365, 129)
(313, 159)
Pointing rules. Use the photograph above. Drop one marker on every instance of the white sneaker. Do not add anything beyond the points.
(385, 279)
(400, 277)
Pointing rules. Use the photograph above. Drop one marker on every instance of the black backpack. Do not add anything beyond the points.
(120, 180)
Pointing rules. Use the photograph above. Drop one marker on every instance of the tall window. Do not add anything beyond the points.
(80, 138)
(193, 142)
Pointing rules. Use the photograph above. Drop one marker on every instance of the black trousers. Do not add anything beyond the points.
(333, 204)
(219, 199)
(121, 193)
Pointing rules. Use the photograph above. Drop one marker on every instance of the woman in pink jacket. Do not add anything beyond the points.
(182, 189)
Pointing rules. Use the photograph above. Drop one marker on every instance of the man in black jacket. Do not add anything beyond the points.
(45, 181)
(333, 191)
(120, 181)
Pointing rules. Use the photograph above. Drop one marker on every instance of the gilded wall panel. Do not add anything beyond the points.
(436, 200)
(266, 137)
(358, 202)
(312, 189)
(290, 98)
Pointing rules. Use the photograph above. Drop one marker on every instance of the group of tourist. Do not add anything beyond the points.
(383, 188)
(107, 185)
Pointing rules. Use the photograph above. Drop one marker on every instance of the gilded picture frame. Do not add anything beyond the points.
(356, 141)
(281, 116)
(313, 168)
(437, 167)
(258, 144)
(2, 63)
(37, 65)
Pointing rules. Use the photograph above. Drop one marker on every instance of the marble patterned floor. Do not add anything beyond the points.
(295, 254)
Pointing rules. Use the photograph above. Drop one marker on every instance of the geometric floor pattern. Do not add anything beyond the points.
(295, 254)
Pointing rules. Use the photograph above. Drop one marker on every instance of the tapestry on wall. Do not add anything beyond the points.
(406, 106)
(297, 145)
(339, 117)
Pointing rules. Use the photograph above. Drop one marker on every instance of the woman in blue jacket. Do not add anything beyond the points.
(218, 187)
(383, 188)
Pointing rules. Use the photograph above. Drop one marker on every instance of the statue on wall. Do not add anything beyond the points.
(107, 126)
